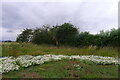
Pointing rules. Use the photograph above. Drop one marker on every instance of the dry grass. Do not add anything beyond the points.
(17, 49)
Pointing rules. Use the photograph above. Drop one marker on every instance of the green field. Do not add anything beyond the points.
(17, 49)
(60, 69)
(65, 69)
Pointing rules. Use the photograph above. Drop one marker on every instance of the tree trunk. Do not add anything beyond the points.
(57, 43)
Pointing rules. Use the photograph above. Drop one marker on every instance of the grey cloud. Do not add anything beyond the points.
(9, 31)
(87, 16)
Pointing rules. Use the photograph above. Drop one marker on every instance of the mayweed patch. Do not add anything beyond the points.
(10, 63)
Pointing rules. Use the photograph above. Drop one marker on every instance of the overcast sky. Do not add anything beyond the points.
(87, 16)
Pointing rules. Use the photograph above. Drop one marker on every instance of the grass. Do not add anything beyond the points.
(65, 69)
(17, 49)
(60, 69)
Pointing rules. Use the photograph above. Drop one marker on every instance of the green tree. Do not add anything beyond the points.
(114, 37)
(42, 35)
(25, 36)
(84, 39)
(65, 34)
(53, 32)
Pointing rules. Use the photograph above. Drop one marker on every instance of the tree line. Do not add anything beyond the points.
(68, 34)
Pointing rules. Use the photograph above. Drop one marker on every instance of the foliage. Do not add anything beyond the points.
(68, 35)
(65, 34)
(42, 35)
(25, 36)
(108, 38)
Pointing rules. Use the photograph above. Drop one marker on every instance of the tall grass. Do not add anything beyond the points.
(17, 49)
